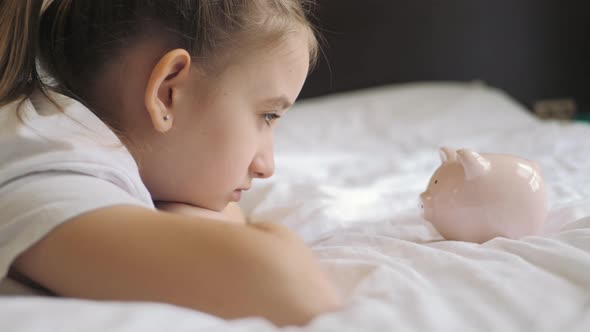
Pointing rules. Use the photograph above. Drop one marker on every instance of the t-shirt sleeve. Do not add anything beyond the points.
(33, 205)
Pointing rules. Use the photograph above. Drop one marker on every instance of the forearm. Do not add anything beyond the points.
(227, 270)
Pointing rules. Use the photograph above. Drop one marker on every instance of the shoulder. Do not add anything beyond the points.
(37, 136)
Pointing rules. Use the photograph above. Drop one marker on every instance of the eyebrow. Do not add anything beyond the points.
(280, 103)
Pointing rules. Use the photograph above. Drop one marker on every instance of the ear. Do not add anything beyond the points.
(447, 155)
(474, 164)
(171, 72)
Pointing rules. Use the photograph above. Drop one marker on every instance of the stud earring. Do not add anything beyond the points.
(167, 117)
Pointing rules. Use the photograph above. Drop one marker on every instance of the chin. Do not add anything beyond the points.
(217, 206)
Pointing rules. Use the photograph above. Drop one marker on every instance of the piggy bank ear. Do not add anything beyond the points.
(447, 155)
(474, 164)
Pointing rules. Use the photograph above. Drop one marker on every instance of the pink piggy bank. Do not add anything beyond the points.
(477, 197)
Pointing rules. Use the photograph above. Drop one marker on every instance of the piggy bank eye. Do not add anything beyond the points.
(435, 181)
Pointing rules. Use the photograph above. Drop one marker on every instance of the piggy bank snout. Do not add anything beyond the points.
(423, 198)
(424, 204)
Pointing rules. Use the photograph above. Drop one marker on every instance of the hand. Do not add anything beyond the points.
(232, 212)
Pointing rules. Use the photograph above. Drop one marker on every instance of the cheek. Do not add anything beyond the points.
(227, 152)
(223, 138)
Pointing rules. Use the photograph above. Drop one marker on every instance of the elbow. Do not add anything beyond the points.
(314, 310)
(301, 290)
(304, 310)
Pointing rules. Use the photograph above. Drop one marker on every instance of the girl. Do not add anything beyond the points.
(166, 101)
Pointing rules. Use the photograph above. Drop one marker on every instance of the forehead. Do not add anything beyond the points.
(276, 70)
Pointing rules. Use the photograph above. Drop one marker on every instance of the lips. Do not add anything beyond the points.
(237, 195)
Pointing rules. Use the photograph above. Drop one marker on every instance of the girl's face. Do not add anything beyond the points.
(221, 136)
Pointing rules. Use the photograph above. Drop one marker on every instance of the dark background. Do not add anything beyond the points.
(532, 49)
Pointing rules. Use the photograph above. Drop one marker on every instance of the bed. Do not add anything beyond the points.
(349, 171)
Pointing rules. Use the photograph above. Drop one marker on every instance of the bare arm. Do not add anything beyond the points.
(229, 270)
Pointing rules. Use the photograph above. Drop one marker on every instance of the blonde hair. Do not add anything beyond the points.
(74, 39)
(18, 47)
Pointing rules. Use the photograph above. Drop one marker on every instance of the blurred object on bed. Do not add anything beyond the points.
(533, 49)
(561, 109)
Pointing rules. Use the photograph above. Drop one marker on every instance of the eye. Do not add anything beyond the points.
(269, 117)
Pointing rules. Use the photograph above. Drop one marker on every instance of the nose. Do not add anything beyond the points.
(263, 164)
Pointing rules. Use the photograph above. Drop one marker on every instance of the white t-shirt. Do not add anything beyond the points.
(56, 164)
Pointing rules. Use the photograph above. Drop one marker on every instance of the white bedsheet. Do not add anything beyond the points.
(349, 170)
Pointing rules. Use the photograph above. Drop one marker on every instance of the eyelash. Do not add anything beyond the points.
(269, 117)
